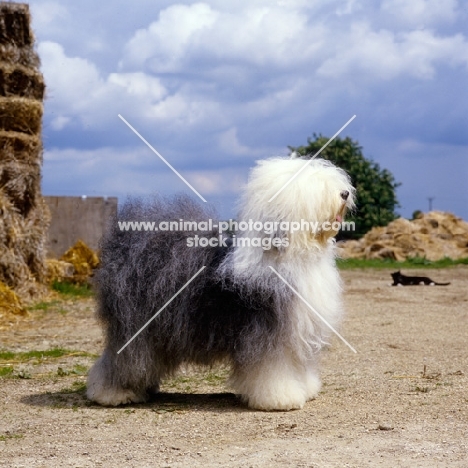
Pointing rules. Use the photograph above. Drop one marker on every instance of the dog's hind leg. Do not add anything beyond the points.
(104, 383)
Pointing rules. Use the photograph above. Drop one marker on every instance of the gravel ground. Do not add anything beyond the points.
(402, 401)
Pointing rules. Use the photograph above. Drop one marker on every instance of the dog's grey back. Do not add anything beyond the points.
(212, 319)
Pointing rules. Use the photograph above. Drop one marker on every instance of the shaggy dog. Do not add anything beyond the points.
(241, 308)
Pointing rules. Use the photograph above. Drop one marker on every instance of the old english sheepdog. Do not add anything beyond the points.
(248, 307)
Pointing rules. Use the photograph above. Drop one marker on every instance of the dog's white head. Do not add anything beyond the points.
(299, 191)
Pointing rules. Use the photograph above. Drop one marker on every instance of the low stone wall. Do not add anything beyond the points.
(77, 218)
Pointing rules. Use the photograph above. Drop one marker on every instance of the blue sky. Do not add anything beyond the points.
(216, 85)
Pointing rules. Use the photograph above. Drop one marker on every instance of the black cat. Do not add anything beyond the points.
(401, 280)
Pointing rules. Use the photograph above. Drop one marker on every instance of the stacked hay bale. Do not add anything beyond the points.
(433, 236)
(24, 216)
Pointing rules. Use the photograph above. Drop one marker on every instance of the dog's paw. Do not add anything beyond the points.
(276, 403)
(277, 396)
(153, 390)
(114, 396)
(313, 386)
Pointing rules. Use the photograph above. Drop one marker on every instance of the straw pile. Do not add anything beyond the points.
(433, 236)
(10, 302)
(76, 265)
(83, 259)
(58, 270)
(11, 308)
(24, 217)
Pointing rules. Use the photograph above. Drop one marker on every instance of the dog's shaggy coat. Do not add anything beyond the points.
(238, 309)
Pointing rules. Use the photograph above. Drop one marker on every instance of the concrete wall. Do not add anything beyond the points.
(76, 218)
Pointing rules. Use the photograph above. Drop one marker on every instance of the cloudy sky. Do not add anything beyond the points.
(216, 85)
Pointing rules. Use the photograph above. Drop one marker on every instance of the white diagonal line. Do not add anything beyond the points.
(313, 310)
(161, 309)
(159, 155)
(310, 160)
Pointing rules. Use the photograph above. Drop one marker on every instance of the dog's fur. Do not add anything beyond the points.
(237, 310)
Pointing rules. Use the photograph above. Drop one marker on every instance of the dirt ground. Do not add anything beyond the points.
(401, 401)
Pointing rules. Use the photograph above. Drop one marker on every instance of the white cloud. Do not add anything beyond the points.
(222, 83)
(108, 170)
(60, 122)
(139, 85)
(76, 91)
(259, 35)
(70, 80)
(348, 7)
(49, 15)
(387, 55)
(267, 39)
(124, 171)
(421, 13)
(167, 39)
(229, 143)
(211, 183)
(230, 67)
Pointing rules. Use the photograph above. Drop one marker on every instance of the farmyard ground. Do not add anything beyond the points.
(402, 401)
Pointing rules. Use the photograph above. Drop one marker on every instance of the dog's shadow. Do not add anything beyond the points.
(159, 402)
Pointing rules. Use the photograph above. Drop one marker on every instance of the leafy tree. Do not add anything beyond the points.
(375, 187)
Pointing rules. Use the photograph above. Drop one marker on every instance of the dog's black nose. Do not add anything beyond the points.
(344, 195)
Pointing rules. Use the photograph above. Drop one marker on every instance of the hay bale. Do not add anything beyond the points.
(20, 81)
(21, 184)
(434, 236)
(461, 241)
(349, 249)
(25, 56)
(19, 147)
(83, 259)
(16, 36)
(34, 225)
(399, 226)
(384, 253)
(15, 24)
(24, 217)
(21, 115)
(375, 234)
(22, 253)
